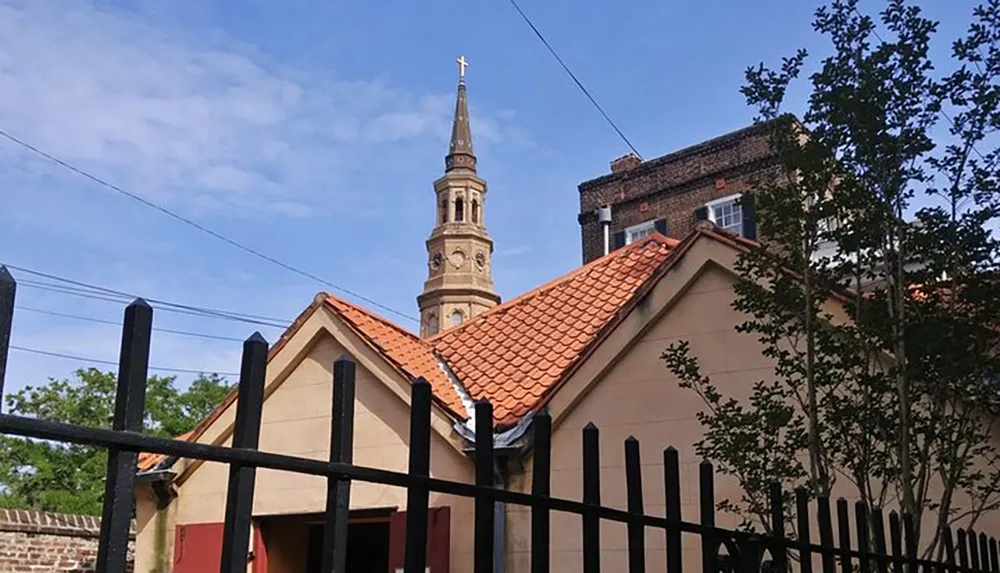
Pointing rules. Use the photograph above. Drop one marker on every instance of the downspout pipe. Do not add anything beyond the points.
(604, 218)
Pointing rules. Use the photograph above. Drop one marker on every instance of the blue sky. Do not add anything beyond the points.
(311, 130)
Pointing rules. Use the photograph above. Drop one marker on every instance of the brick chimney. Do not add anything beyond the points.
(625, 163)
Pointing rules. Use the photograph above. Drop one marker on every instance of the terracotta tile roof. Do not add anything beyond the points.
(516, 353)
(147, 460)
(411, 355)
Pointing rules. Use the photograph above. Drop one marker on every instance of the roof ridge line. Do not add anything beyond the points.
(608, 258)
(380, 318)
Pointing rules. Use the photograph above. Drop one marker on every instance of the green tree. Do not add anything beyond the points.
(884, 199)
(70, 478)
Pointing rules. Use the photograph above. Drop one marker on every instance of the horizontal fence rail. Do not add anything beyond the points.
(787, 547)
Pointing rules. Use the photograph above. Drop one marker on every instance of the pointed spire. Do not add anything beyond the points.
(460, 154)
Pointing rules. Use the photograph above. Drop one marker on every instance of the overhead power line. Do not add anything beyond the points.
(84, 294)
(198, 226)
(113, 363)
(579, 84)
(118, 323)
(96, 292)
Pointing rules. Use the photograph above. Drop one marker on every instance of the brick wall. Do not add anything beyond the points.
(672, 186)
(49, 542)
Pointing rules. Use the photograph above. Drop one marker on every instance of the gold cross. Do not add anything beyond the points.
(462, 64)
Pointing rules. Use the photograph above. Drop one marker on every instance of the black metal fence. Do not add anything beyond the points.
(721, 549)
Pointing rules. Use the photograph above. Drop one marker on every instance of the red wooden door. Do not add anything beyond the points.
(197, 547)
(438, 540)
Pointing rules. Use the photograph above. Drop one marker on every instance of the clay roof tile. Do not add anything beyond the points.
(543, 333)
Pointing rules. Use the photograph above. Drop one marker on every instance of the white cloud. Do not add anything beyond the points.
(185, 121)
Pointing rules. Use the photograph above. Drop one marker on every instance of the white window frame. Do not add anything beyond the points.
(636, 232)
(713, 204)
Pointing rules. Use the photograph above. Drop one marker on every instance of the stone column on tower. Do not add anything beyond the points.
(459, 281)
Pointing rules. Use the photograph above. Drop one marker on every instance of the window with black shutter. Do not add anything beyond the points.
(618, 240)
(749, 204)
(661, 226)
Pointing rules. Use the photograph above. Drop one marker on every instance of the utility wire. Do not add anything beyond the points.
(199, 226)
(112, 363)
(84, 294)
(96, 292)
(162, 305)
(118, 323)
(573, 76)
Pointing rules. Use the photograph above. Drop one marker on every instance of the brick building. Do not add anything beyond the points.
(670, 193)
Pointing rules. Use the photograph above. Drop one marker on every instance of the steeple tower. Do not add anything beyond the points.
(459, 282)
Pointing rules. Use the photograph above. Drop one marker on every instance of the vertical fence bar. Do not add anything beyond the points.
(8, 289)
(802, 520)
(994, 556)
(826, 534)
(633, 488)
(984, 551)
(911, 544)
(591, 496)
(338, 489)
(948, 542)
(540, 488)
(973, 550)
(706, 488)
(483, 552)
(130, 404)
(246, 435)
(896, 540)
(672, 487)
(861, 523)
(778, 551)
(963, 549)
(844, 535)
(878, 534)
(418, 496)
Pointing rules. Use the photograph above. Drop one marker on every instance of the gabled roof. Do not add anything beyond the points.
(516, 353)
(411, 355)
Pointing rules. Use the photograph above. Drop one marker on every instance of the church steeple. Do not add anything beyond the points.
(459, 281)
(460, 154)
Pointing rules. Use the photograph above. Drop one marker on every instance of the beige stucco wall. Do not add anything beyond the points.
(296, 420)
(638, 397)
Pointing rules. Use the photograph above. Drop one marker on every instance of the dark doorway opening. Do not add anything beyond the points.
(294, 543)
(367, 547)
